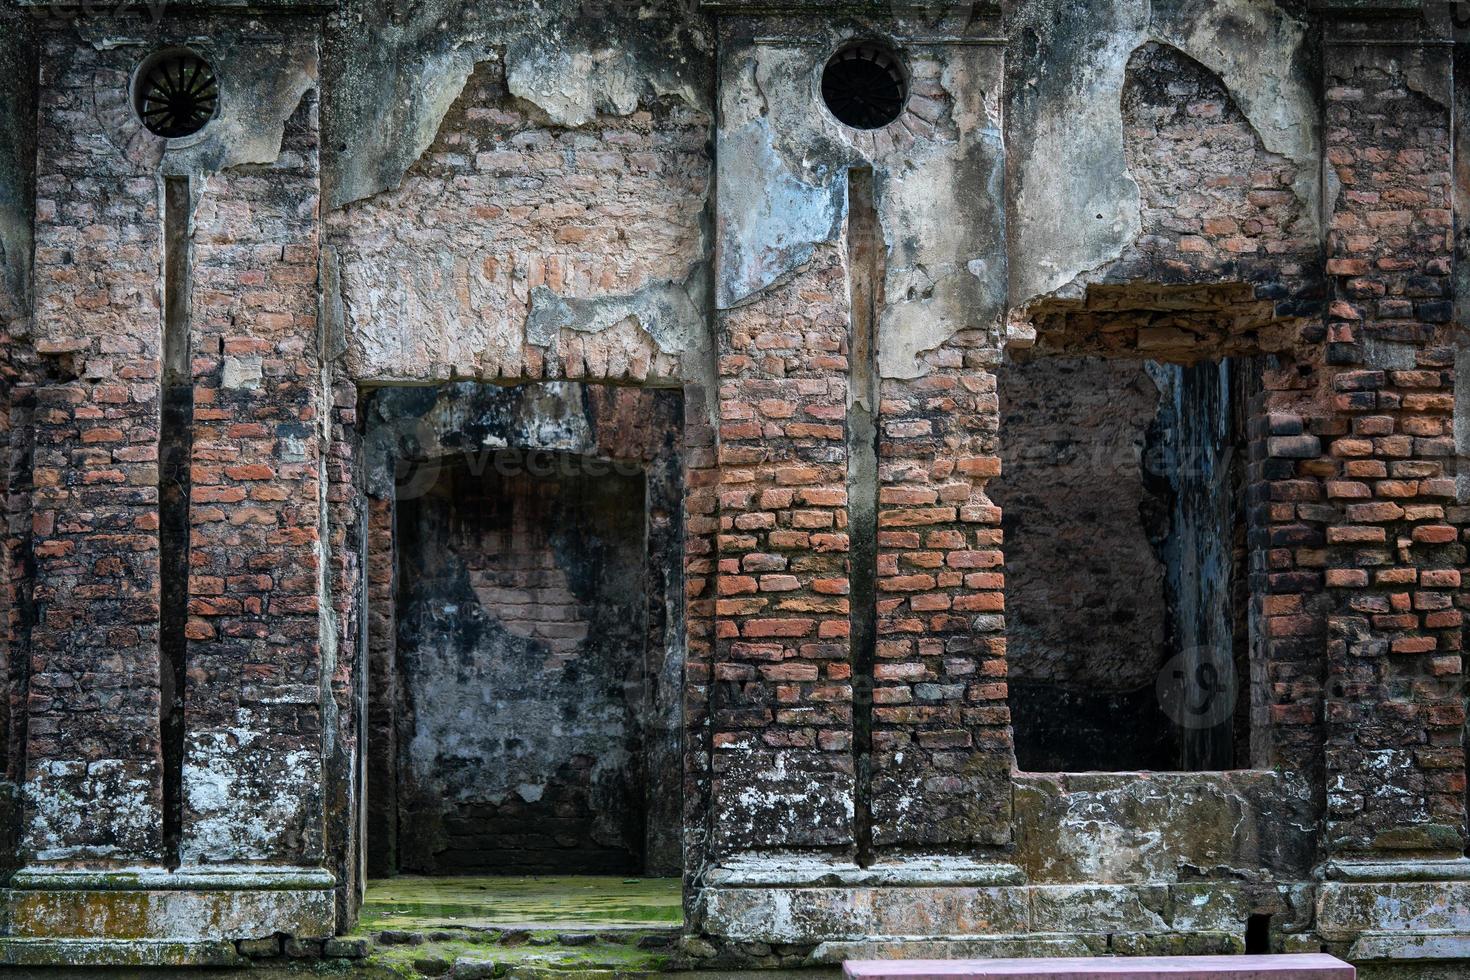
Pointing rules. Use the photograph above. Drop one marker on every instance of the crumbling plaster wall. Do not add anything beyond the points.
(557, 160)
(1075, 206)
(647, 315)
(394, 73)
(783, 163)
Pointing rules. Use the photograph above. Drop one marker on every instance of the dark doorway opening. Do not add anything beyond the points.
(527, 648)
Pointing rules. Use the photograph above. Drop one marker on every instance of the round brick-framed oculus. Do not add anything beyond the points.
(175, 93)
(865, 85)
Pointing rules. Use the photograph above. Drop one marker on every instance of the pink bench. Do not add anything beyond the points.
(1303, 966)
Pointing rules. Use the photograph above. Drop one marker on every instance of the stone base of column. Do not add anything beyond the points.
(157, 917)
(1385, 911)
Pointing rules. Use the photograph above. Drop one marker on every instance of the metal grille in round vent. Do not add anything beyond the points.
(865, 85)
(175, 93)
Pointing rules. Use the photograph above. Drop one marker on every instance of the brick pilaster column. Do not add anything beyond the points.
(942, 753)
(781, 704)
(257, 681)
(1394, 705)
(93, 764)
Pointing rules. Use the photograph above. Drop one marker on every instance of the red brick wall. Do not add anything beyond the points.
(1227, 257)
(941, 728)
(93, 743)
(254, 661)
(781, 712)
(1215, 202)
(1395, 707)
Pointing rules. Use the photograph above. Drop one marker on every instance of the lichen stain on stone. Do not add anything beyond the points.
(1160, 827)
(244, 801)
(60, 807)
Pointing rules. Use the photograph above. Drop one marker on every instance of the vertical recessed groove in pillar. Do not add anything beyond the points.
(174, 451)
(865, 277)
(1460, 283)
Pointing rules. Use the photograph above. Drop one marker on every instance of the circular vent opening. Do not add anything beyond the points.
(175, 93)
(865, 85)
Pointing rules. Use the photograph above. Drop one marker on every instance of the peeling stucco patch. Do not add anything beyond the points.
(770, 219)
(263, 81)
(939, 179)
(1075, 204)
(396, 76)
(668, 311)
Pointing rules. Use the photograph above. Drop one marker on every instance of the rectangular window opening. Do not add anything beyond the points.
(1123, 495)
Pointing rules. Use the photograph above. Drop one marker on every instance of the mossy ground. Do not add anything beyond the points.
(522, 927)
(413, 903)
(436, 958)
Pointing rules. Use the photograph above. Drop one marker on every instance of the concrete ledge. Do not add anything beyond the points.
(843, 912)
(112, 952)
(1346, 910)
(959, 947)
(796, 871)
(813, 915)
(193, 878)
(174, 914)
(1371, 946)
(1446, 869)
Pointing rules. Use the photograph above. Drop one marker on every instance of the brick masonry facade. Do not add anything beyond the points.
(832, 357)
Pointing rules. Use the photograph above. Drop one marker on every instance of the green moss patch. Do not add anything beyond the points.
(415, 904)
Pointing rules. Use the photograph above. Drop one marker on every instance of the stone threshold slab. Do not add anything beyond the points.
(1304, 966)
